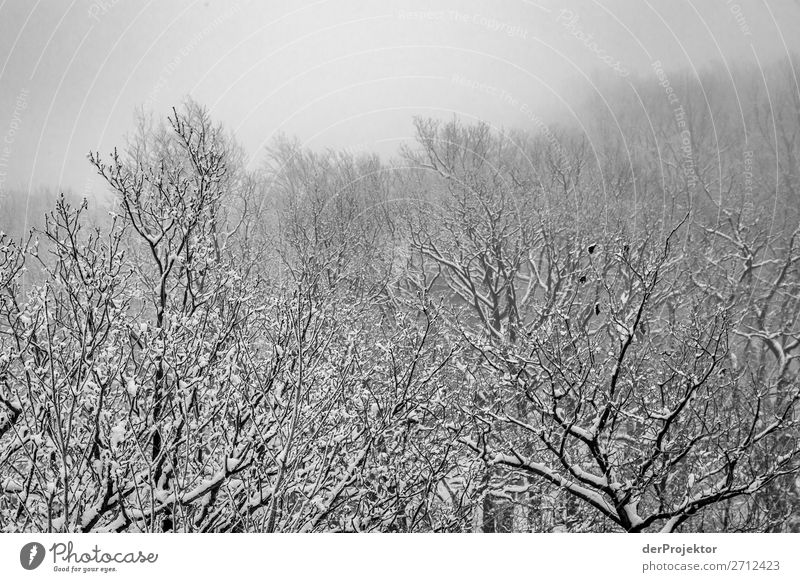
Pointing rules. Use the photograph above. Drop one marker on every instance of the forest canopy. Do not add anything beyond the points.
(562, 329)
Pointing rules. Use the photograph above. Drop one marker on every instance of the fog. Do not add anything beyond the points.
(344, 74)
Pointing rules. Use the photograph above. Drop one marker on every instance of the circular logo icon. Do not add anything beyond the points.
(31, 555)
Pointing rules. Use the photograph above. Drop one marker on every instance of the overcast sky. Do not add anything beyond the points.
(342, 73)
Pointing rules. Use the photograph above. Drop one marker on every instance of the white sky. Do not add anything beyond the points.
(342, 73)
